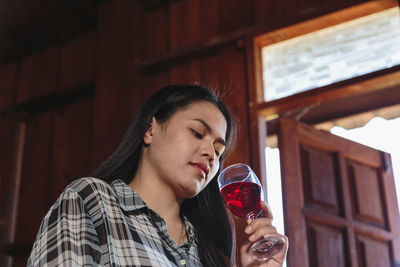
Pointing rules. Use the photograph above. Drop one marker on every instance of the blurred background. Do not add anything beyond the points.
(314, 84)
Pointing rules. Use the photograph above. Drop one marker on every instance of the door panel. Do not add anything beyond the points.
(372, 252)
(339, 199)
(365, 182)
(327, 245)
(320, 194)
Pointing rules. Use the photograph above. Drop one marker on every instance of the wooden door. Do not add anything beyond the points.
(339, 200)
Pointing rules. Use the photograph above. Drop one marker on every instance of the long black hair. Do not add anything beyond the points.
(205, 211)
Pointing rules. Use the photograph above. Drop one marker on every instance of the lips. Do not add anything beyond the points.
(201, 167)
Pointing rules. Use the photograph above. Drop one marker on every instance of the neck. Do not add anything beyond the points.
(159, 197)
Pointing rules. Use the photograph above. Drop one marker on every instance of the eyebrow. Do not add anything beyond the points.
(207, 126)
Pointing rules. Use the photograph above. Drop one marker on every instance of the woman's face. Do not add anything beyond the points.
(184, 151)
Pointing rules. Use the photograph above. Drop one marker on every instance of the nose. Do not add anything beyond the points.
(207, 150)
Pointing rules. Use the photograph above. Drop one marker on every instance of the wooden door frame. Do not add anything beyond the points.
(372, 91)
(360, 94)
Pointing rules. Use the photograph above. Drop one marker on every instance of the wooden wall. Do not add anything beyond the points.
(63, 110)
(45, 128)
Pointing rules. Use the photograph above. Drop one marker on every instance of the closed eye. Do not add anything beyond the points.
(219, 150)
(197, 134)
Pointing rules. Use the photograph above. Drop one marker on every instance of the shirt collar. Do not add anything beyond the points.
(127, 198)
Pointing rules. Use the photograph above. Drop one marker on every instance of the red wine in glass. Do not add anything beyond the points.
(242, 198)
(241, 191)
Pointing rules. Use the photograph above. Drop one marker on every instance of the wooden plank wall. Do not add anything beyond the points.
(103, 72)
(45, 136)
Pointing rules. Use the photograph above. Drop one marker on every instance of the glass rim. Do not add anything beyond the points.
(230, 167)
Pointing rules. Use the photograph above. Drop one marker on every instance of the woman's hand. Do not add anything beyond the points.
(257, 229)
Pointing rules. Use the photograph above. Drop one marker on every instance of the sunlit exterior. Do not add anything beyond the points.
(337, 53)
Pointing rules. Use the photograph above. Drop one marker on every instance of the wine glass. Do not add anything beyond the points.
(242, 192)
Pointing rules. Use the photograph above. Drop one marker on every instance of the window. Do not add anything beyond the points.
(332, 54)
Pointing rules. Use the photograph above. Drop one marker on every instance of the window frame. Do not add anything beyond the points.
(297, 105)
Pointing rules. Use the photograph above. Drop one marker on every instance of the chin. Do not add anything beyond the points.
(191, 191)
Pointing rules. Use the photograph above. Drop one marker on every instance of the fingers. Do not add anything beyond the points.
(266, 210)
(259, 228)
(258, 223)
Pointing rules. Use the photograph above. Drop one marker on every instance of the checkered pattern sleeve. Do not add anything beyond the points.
(67, 236)
(94, 223)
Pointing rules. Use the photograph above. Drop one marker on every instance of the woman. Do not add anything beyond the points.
(155, 201)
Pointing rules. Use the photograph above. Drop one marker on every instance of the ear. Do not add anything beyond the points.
(148, 135)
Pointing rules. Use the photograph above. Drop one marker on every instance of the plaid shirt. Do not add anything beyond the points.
(95, 223)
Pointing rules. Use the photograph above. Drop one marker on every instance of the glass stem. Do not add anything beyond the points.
(252, 216)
